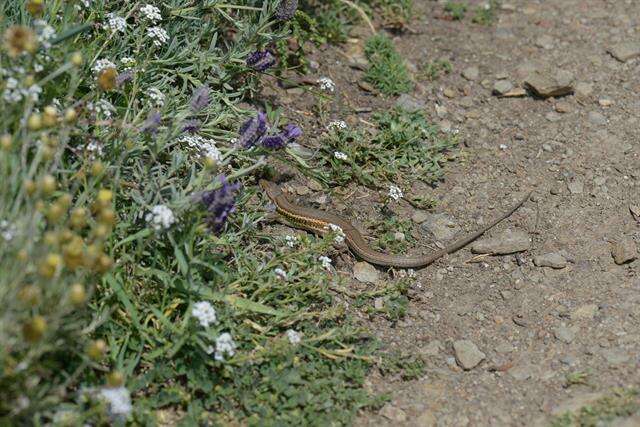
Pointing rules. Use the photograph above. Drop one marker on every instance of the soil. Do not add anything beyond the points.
(579, 153)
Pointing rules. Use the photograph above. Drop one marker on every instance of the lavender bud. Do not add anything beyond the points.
(261, 60)
(220, 203)
(200, 98)
(191, 126)
(286, 9)
(124, 77)
(152, 123)
(253, 130)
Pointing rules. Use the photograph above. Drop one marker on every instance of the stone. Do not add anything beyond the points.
(419, 217)
(378, 303)
(399, 236)
(553, 260)
(615, 356)
(505, 243)
(501, 87)
(584, 312)
(575, 187)
(440, 226)
(522, 372)
(432, 349)
(546, 84)
(564, 334)
(563, 107)
(467, 353)
(449, 93)
(393, 413)
(365, 272)
(503, 348)
(409, 103)
(471, 73)
(624, 251)
(584, 89)
(596, 118)
(545, 41)
(625, 51)
(426, 419)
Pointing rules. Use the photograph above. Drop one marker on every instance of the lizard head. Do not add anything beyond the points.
(271, 189)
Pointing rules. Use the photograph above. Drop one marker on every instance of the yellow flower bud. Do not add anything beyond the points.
(76, 59)
(18, 39)
(47, 152)
(29, 186)
(35, 7)
(107, 79)
(5, 142)
(115, 379)
(77, 294)
(78, 217)
(66, 235)
(104, 263)
(29, 80)
(48, 184)
(65, 200)
(96, 349)
(51, 238)
(23, 255)
(34, 122)
(55, 212)
(70, 115)
(29, 295)
(101, 231)
(50, 265)
(108, 216)
(97, 168)
(104, 197)
(50, 116)
(34, 329)
(73, 253)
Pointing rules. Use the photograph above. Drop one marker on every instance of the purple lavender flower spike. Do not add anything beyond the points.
(200, 98)
(253, 130)
(290, 133)
(220, 203)
(261, 60)
(286, 9)
(152, 123)
(124, 77)
(191, 126)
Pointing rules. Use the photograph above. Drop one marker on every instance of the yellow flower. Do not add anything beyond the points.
(96, 349)
(77, 294)
(34, 329)
(18, 39)
(35, 7)
(107, 79)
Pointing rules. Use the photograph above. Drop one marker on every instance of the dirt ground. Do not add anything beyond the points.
(532, 325)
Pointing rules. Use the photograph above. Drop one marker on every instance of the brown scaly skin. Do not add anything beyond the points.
(318, 222)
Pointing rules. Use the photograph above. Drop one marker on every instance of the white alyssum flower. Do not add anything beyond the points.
(337, 124)
(7, 231)
(116, 23)
(102, 64)
(94, 149)
(339, 233)
(118, 398)
(280, 273)
(45, 33)
(294, 336)
(127, 62)
(160, 217)
(12, 93)
(104, 107)
(326, 261)
(206, 147)
(395, 192)
(158, 35)
(156, 96)
(326, 84)
(33, 93)
(340, 155)
(205, 313)
(225, 345)
(291, 240)
(151, 13)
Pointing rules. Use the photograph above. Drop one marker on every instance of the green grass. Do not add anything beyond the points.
(620, 403)
(387, 71)
(403, 144)
(432, 70)
(456, 10)
(486, 15)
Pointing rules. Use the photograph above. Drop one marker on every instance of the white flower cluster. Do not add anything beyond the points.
(105, 108)
(158, 35)
(45, 33)
(151, 13)
(116, 23)
(326, 261)
(128, 62)
(160, 217)
(7, 231)
(118, 398)
(326, 84)
(291, 240)
(205, 313)
(339, 233)
(395, 192)
(337, 124)
(280, 273)
(205, 146)
(340, 155)
(294, 336)
(225, 345)
(156, 96)
(102, 64)
(94, 149)
(14, 93)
